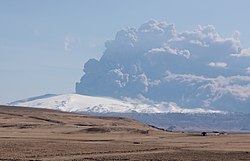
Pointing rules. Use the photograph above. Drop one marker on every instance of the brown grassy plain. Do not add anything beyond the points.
(40, 134)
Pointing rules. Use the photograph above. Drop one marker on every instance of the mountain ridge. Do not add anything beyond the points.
(166, 115)
(84, 103)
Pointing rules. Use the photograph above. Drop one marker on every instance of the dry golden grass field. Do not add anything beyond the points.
(40, 134)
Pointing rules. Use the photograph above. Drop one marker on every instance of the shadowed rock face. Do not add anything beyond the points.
(196, 68)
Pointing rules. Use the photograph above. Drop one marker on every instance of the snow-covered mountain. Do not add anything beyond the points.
(83, 103)
(164, 115)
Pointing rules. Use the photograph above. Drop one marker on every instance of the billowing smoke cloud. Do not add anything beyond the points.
(197, 68)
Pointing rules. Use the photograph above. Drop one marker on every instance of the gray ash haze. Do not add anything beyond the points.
(196, 68)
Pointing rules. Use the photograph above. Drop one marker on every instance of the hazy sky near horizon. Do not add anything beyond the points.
(44, 44)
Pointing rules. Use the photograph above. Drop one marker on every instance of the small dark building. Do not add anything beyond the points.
(203, 133)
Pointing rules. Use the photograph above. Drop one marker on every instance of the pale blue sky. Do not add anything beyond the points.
(35, 58)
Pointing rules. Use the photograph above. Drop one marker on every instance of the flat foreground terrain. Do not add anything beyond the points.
(40, 134)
